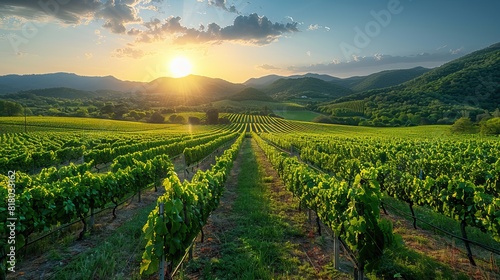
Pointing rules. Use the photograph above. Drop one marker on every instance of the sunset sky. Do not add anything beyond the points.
(236, 40)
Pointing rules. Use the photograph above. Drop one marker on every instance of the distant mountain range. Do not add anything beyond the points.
(357, 83)
(15, 83)
(195, 89)
(468, 86)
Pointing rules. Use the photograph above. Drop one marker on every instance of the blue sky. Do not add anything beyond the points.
(237, 40)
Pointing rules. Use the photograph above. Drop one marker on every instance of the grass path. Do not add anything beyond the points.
(257, 232)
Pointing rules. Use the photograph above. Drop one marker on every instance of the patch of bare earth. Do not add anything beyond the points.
(445, 250)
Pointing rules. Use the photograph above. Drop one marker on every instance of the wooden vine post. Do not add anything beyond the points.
(336, 247)
(162, 263)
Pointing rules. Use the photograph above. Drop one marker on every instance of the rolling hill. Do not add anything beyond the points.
(466, 86)
(286, 89)
(68, 93)
(191, 90)
(250, 94)
(262, 81)
(357, 83)
(15, 83)
(382, 79)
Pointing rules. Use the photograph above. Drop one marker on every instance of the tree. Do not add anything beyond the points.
(157, 117)
(137, 115)
(8, 108)
(496, 114)
(212, 116)
(172, 118)
(194, 120)
(462, 126)
(179, 119)
(491, 126)
(81, 112)
(322, 119)
(107, 109)
(120, 110)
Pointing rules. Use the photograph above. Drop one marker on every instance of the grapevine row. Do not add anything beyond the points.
(186, 207)
(352, 212)
(455, 196)
(43, 206)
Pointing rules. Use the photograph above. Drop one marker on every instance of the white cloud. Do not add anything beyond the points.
(456, 51)
(251, 29)
(116, 14)
(313, 27)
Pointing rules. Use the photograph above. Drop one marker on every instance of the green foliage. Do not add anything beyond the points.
(458, 179)
(387, 78)
(58, 197)
(351, 211)
(285, 89)
(212, 116)
(8, 108)
(463, 126)
(186, 209)
(322, 119)
(436, 97)
(157, 117)
(197, 153)
(491, 126)
(194, 120)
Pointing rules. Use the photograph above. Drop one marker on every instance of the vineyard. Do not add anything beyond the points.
(64, 171)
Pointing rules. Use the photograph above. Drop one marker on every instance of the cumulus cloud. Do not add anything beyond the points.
(222, 4)
(72, 12)
(116, 14)
(251, 29)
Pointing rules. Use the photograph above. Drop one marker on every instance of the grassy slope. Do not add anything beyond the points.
(259, 244)
(297, 115)
(39, 123)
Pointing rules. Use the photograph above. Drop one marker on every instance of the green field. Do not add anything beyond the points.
(297, 115)
(40, 124)
(257, 105)
(37, 123)
(75, 164)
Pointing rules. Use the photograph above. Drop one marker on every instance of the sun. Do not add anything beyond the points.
(180, 67)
